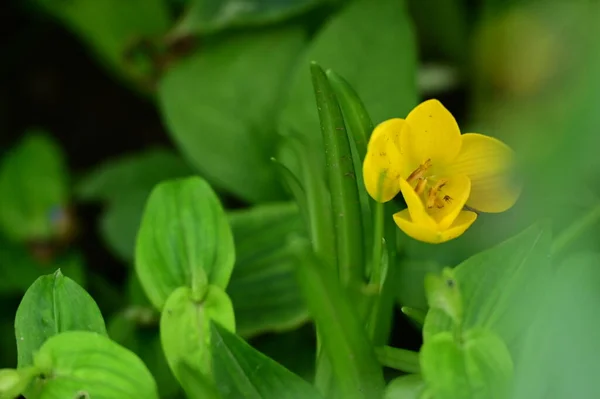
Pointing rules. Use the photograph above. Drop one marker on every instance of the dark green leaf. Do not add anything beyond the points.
(496, 287)
(263, 287)
(479, 366)
(208, 16)
(344, 339)
(235, 371)
(111, 27)
(52, 305)
(219, 106)
(409, 284)
(185, 328)
(184, 240)
(89, 365)
(345, 203)
(378, 63)
(33, 189)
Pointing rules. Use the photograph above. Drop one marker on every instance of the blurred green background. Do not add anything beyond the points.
(102, 99)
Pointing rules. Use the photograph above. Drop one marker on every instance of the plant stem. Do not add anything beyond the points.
(575, 230)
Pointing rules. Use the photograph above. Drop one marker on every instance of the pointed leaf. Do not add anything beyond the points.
(52, 305)
(235, 371)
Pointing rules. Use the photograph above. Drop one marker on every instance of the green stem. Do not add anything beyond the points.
(398, 359)
(575, 230)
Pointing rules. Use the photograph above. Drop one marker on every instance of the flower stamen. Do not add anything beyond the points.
(432, 198)
(420, 188)
(419, 172)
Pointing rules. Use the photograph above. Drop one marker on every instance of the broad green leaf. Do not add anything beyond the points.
(479, 366)
(405, 387)
(236, 364)
(344, 339)
(195, 384)
(499, 287)
(184, 240)
(84, 364)
(263, 287)
(185, 327)
(52, 305)
(443, 293)
(206, 16)
(33, 189)
(410, 276)
(140, 171)
(14, 382)
(111, 27)
(378, 63)
(219, 106)
(124, 184)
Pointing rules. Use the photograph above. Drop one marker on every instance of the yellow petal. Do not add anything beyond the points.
(488, 162)
(416, 208)
(434, 236)
(432, 134)
(457, 191)
(381, 167)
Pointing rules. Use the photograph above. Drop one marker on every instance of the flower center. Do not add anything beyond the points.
(429, 186)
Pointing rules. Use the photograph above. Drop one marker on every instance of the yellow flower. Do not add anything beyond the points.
(439, 171)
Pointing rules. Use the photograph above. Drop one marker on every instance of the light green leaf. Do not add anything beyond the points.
(443, 293)
(378, 63)
(405, 387)
(52, 305)
(496, 287)
(235, 371)
(33, 189)
(185, 328)
(89, 365)
(479, 366)
(219, 106)
(111, 27)
(263, 287)
(14, 382)
(399, 359)
(184, 240)
(205, 16)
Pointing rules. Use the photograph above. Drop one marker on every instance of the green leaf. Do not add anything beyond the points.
(399, 359)
(111, 27)
(185, 327)
(124, 184)
(479, 366)
(219, 106)
(52, 305)
(380, 64)
(184, 240)
(263, 287)
(496, 287)
(14, 382)
(209, 16)
(345, 203)
(443, 293)
(410, 289)
(344, 339)
(235, 371)
(86, 364)
(33, 189)
(140, 171)
(405, 387)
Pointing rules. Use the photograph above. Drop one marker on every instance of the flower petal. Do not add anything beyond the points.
(434, 236)
(381, 167)
(432, 134)
(416, 208)
(457, 190)
(488, 163)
